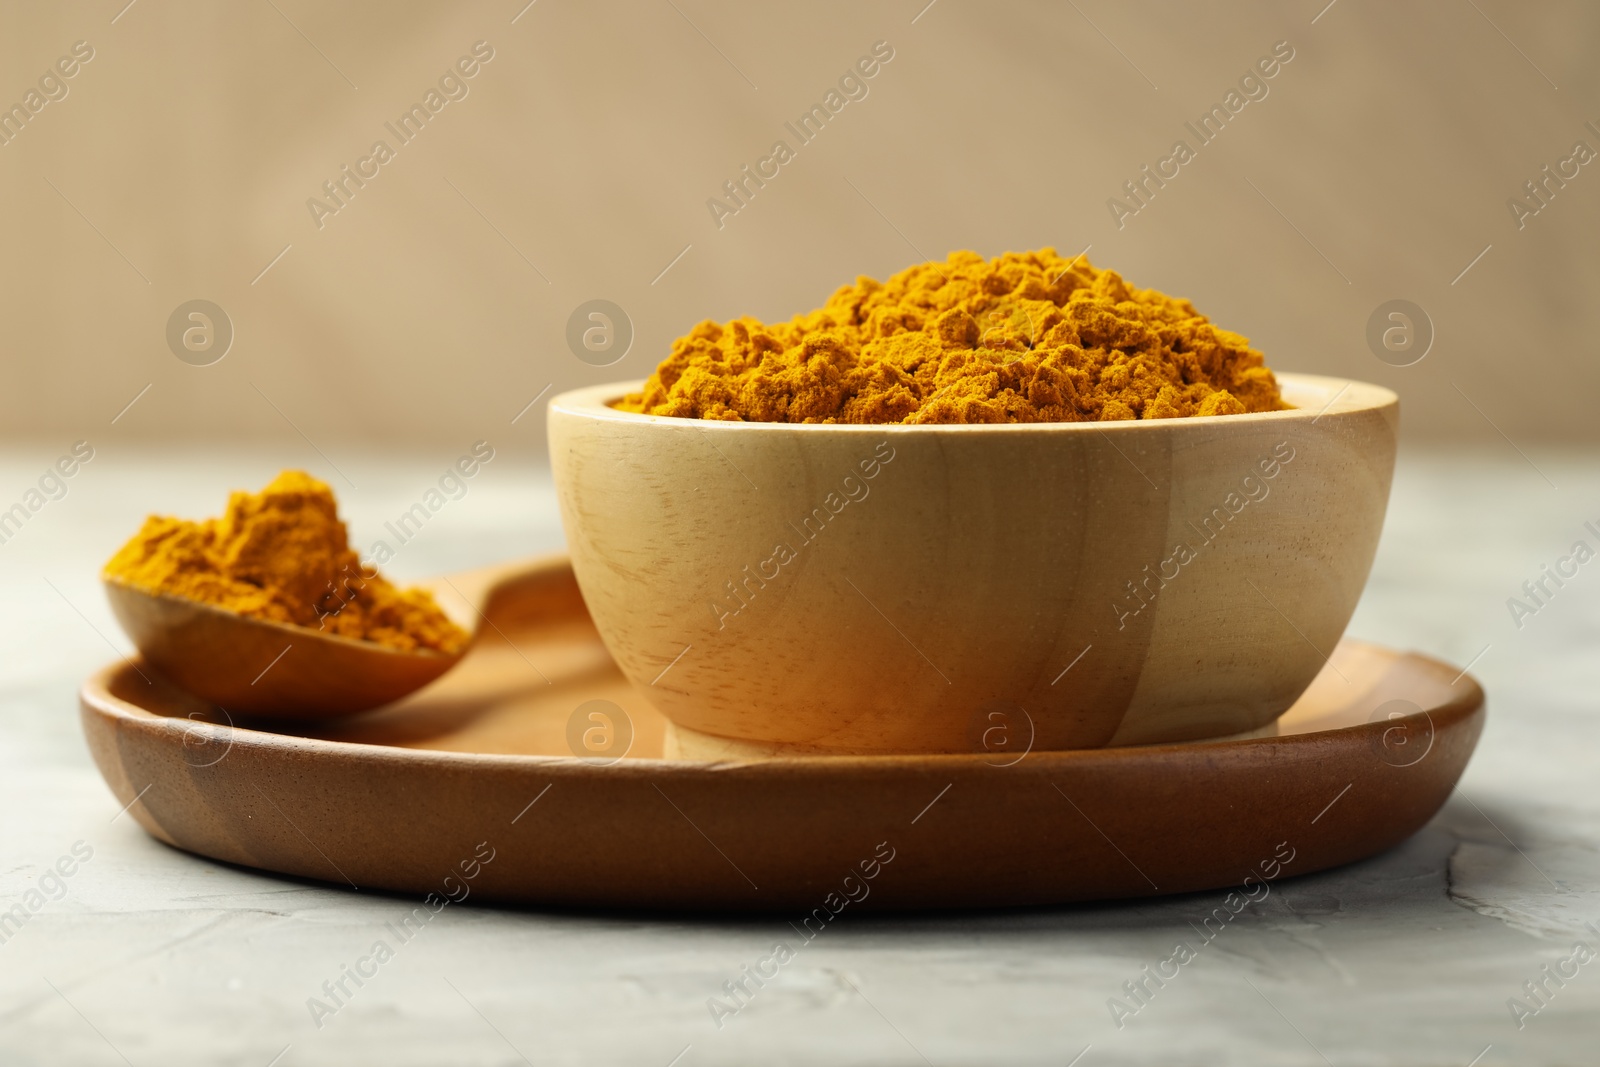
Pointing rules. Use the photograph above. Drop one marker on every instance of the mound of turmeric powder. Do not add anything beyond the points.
(283, 555)
(1024, 337)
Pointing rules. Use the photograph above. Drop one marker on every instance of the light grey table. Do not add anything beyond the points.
(151, 956)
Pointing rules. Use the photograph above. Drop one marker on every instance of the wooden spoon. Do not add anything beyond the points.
(274, 670)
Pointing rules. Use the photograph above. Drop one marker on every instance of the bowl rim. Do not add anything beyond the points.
(1320, 396)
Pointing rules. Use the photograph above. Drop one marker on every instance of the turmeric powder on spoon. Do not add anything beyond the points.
(1023, 337)
(284, 556)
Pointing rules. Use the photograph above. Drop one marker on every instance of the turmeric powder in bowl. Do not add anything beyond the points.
(284, 556)
(1023, 337)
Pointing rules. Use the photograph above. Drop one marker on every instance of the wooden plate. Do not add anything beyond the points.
(414, 796)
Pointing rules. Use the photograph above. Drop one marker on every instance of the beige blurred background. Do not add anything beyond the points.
(433, 307)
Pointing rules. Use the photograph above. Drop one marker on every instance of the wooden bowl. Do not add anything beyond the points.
(776, 588)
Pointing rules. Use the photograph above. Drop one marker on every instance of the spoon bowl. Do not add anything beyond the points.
(266, 669)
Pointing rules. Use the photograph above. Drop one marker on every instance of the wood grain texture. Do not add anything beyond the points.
(877, 589)
(397, 798)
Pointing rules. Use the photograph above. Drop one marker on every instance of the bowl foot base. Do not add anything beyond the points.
(681, 742)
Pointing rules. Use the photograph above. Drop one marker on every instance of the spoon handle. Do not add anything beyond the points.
(467, 597)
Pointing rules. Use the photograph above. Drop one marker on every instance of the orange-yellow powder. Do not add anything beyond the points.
(283, 555)
(1024, 337)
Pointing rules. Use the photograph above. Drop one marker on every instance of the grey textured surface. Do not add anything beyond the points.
(156, 957)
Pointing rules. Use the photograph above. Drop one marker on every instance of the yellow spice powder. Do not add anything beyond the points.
(1023, 337)
(283, 555)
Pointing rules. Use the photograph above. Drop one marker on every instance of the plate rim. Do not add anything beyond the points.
(97, 698)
